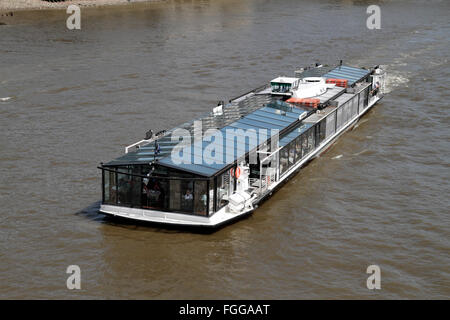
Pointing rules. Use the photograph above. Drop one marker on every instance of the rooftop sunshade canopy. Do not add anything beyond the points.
(350, 74)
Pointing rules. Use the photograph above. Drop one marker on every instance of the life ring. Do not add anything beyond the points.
(237, 173)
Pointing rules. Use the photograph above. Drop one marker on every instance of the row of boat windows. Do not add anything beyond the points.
(280, 87)
(123, 187)
(297, 149)
(178, 195)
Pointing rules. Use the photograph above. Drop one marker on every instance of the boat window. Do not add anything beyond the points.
(366, 100)
(105, 186)
(298, 149)
(211, 197)
(275, 87)
(280, 87)
(320, 131)
(355, 106)
(124, 188)
(187, 195)
(156, 193)
(110, 188)
(136, 186)
(340, 118)
(128, 188)
(175, 195)
(323, 130)
(200, 197)
(284, 160)
(363, 95)
(255, 169)
(350, 109)
(311, 140)
(361, 101)
(223, 190)
(347, 107)
(291, 153)
(330, 126)
(304, 144)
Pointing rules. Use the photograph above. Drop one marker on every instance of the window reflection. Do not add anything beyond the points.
(187, 198)
(110, 188)
(298, 148)
(223, 189)
(284, 160)
(137, 187)
(124, 188)
(156, 191)
(291, 153)
(201, 197)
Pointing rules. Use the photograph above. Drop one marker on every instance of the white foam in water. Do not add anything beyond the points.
(361, 152)
(395, 79)
(360, 123)
(338, 157)
(5, 99)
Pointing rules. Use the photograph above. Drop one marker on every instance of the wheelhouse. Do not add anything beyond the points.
(283, 85)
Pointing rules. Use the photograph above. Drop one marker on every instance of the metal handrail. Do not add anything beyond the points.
(151, 176)
(137, 143)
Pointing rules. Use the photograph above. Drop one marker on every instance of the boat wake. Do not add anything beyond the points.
(395, 79)
(5, 99)
(361, 152)
(353, 155)
(359, 123)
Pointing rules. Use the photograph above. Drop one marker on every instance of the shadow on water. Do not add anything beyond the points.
(92, 212)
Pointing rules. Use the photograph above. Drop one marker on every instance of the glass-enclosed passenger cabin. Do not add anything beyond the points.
(156, 187)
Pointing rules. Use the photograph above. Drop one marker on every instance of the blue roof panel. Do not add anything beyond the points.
(268, 116)
(351, 74)
(279, 115)
(259, 125)
(206, 159)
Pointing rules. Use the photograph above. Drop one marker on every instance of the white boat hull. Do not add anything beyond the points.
(220, 218)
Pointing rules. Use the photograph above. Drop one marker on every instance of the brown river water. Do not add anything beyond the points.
(379, 196)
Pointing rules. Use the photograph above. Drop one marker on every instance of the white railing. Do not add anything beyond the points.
(137, 144)
(272, 172)
(163, 133)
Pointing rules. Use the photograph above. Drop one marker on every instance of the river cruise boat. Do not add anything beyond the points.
(218, 168)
